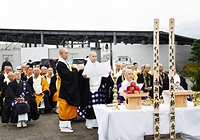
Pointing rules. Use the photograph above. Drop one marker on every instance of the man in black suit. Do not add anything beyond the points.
(5, 63)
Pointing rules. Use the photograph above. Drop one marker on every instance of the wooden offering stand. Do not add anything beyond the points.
(133, 101)
(180, 98)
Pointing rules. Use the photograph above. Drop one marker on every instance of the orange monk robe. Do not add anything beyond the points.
(28, 74)
(21, 71)
(135, 77)
(49, 76)
(151, 72)
(66, 111)
(45, 87)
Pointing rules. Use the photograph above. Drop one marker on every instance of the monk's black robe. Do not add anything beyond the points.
(183, 83)
(120, 79)
(104, 95)
(11, 109)
(148, 83)
(84, 90)
(161, 78)
(52, 88)
(2, 77)
(3, 93)
(69, 88)
(107, 88)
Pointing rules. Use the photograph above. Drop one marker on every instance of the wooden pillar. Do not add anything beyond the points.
(171, 78)
(156, 79)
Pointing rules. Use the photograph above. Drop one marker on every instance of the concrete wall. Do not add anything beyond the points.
(16, 57)
(34, 53)
(73, 53)
(182, 55)
(143, 54)
(52, 52)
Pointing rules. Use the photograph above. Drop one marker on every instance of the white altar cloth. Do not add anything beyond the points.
(126, 124)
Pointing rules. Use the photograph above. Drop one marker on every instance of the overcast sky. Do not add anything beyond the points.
(96, 14)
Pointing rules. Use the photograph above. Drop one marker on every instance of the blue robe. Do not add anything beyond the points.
(120, 98)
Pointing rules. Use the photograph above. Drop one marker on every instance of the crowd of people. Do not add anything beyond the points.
(66, 90)
(144, 76)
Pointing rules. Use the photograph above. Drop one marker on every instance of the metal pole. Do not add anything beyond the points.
(111, 50)
(35, 41)
(82, 44)
(111, 56)
(96, 42)
(42, 39)
(72, 44)
(114, 38)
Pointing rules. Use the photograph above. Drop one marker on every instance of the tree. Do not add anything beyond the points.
(196, 81)
(195, 52)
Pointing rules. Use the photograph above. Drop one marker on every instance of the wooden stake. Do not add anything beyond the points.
(156, 80)
(171, 78)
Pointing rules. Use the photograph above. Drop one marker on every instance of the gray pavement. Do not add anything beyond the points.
(46, 128)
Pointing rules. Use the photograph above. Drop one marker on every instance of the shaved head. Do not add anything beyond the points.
(128, 74)
(63, 53)
(62, 50)
(93, 56)
(11, 76)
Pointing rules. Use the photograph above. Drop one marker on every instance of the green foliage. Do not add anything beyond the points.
(196, 85)
(193, 71)
(190, 69)
(195, 52)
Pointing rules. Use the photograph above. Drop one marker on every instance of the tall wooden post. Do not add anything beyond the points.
(156, 79)
(171, 78)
